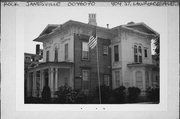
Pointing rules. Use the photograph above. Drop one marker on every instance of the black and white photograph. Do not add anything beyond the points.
(89, 60)
(112, 61)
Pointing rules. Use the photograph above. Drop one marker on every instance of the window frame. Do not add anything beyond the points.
(105, 50)
(139, 76)
(87, 75)
(117, 79)
(116, 55)
(145, 53)
(135, 54)
(82, 51)
(140, 54)
(66, 51)
(106, 81)
(85, 83)
(56, 55)
(138, 51)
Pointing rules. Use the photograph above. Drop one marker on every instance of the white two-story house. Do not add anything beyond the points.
(132, 58)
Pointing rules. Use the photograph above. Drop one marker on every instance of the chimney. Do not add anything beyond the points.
(107, 26)
(92, 19)
(37, 49)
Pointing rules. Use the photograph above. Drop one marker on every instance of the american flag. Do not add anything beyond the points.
(93, 39)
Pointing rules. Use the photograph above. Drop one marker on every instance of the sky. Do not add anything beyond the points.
(36, 19)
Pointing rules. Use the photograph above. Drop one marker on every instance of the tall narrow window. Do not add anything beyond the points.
(47, 56)
(135, 54)
(145, 52)
(139, 82)
(85, 75)
(85, 51)
(140, 54)
(105, 50)
(56, 55)
(106, 80)
(66, 51)
(85, 79)
(116, 53)
(117, 78)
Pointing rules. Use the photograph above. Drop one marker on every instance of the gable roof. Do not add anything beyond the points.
(48, 29)
(136, 27)
(141, 27)
(52, 28)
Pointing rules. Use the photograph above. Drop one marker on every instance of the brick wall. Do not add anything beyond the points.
(91, 64)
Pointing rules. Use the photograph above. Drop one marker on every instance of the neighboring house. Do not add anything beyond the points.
(124, 57)
(31, 61)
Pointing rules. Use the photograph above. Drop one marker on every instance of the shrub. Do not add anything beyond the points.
(105, 93)
(66, 94)
(119, 94)
(153, 94)
(133, 93)
(46, 94)
(81, 98)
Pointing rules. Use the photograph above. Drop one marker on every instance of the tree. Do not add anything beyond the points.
(157, 48)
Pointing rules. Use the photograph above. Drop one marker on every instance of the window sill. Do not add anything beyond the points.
(85, 60)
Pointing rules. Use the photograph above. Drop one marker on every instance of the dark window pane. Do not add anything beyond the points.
(145, 53)
(56, 55)
(116, 53)
(47, 56)
(66, 51)
(85, 51)
(135, 54)
(140, 54)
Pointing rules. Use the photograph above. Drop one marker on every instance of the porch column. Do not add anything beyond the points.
(41, 82)
(56, 79)
(51, 81)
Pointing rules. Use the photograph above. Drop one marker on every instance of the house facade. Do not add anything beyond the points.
(132, 64)
(124, 54)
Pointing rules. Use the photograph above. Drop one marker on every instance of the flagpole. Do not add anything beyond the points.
(98, 72)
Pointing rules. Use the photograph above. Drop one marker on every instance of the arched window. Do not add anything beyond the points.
(140, 54)
(135, 54)
(139, 80)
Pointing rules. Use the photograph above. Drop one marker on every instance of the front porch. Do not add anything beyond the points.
(51, 74)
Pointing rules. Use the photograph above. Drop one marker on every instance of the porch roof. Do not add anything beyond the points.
(53, 64)
(140, 65)
(56, 64)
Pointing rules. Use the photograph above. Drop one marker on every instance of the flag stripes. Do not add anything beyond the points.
(92, 40)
